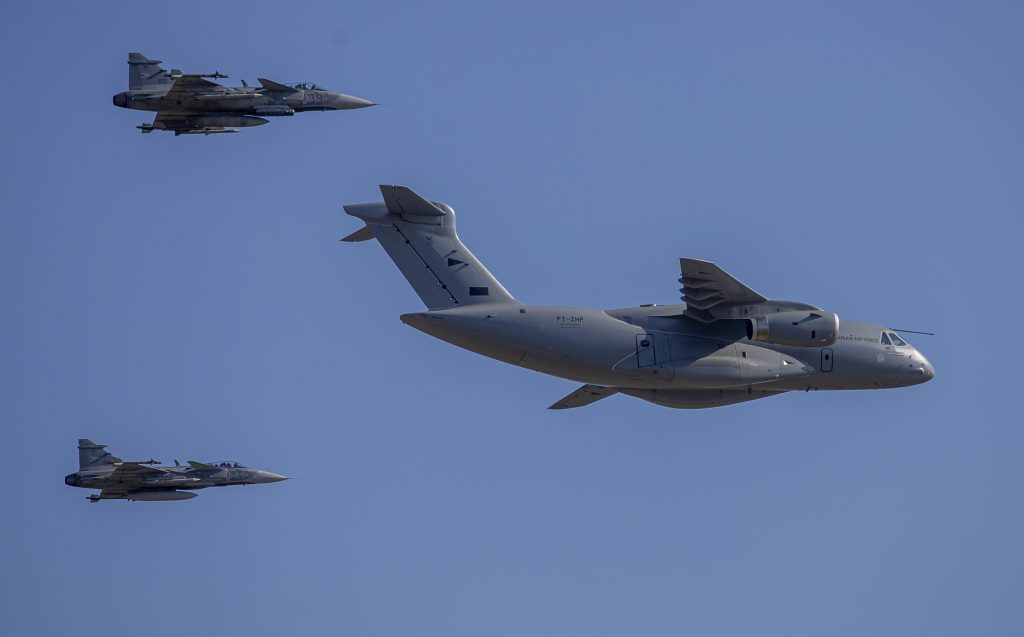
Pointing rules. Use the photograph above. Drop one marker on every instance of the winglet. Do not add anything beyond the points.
(270, 85)
(584, 396)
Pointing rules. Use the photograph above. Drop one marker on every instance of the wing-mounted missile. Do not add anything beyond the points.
(150, 461)
(177, 74)
(712, 294)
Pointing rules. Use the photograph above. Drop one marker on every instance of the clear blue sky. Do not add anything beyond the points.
(187, 298)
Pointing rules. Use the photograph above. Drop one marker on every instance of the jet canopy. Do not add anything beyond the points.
(308, 86)
(227, 464)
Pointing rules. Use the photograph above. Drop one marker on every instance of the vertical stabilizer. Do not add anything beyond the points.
(420, 237)
(144, 73)
(92, 455)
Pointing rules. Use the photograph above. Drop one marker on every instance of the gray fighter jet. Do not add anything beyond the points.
(725, 344)
(143, 481)
(190, 104)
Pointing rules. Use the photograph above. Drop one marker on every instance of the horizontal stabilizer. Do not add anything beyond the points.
(404, 202)
(362, 234)
(584, 396)
(202, 465)
(270, 85)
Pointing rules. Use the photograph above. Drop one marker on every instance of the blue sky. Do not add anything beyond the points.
(187, 298)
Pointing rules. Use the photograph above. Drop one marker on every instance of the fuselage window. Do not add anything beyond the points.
(885, 339)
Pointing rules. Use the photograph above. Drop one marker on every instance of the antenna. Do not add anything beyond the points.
(896, 329)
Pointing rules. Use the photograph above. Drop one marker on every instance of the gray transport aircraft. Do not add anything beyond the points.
(190, 104)
(140, 480)
(724, 344)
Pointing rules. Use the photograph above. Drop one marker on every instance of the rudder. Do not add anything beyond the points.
(145, 73)
(92, 455)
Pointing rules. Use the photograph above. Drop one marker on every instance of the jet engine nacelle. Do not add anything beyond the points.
(160, 496)
(804, 328)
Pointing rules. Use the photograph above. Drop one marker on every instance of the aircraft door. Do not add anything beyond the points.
(644, 350)
(827, 359)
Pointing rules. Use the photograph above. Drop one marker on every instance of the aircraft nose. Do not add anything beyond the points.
(267, 476)
(929, 371)
(922, 368)
(346, 102)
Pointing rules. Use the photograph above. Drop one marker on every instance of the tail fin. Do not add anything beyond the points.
(420, 238)
(145, 73)
(92, 455)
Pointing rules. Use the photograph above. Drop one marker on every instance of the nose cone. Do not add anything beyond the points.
(921, 368)
(348, 102)
(121, 99)
(264, 477)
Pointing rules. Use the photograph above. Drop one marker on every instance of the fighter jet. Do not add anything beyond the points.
(724, 344)
(142, 480)
(190, 104)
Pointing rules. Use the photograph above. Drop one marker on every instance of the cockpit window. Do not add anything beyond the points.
(228, 464)
(897, 341)
(885, 339)
(308, 86)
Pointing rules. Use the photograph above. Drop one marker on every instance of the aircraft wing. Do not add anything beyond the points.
(271, 85)
(170, 121)
(135, 469)
(131, 473)
(112, 494)
(178, 123)
(186, 86)
(584, 396)
(707, 286)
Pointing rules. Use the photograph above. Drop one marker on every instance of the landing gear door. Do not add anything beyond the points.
(644, 350)
(827, 358)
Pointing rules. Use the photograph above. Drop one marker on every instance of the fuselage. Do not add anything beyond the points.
(240, 100)
(726, 344)
(177, 478)
(657, 348)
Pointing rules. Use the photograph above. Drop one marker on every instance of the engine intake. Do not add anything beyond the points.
(798, 329)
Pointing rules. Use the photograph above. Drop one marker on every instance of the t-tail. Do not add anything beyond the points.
(420, 237)
(92, 455)
(144, 73)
